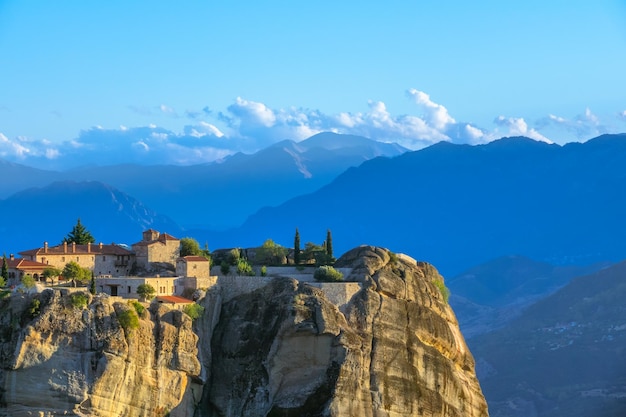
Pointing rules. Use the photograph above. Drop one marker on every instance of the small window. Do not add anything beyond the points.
(129, 289)
(77, 258)
(62, 258)
(104, 258)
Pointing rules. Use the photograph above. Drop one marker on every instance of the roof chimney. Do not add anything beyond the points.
(88, 247)
(64, 247)
(11, 257)
(45, 247)
(100, 245)
(73, 247)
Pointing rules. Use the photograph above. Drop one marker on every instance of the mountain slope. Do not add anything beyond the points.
(48, 213)
(565, 355)
(461, 205)
(222, 195)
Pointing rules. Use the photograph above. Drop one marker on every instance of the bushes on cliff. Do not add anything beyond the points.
(146, 291)
(128, 319)
(193, 310)
(79, 300)
(327, 273)
(445, 292)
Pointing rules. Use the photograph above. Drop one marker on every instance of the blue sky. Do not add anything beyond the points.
(192, 81)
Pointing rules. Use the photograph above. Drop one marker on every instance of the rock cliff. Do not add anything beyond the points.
(392, 349)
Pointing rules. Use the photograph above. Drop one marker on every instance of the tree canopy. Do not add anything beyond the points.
(146, 291)
(79, 235)
(73, 270)
(270, 253)
(190, 247)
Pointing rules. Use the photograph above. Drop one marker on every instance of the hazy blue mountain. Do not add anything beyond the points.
(223, 194)
(35, 215)
(564, 356)
(488, 296)
(17, 177)
(460, 205)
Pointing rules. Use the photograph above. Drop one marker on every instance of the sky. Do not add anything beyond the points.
(193, 81)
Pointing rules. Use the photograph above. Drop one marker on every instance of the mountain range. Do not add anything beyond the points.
(459, 205)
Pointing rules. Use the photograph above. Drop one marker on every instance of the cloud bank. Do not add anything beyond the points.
(247, 126)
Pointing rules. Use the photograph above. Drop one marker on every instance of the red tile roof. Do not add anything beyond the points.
(21, 263)
(195, 258)
(173, 299)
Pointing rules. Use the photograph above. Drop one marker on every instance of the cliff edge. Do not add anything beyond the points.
(390, 348)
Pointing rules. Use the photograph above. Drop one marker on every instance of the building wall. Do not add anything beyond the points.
(85, 260)
(196, 269)
(113, 265)
(127, 286)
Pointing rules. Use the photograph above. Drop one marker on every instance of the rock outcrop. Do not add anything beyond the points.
(394, 350)
(59, 356)
(284, 349)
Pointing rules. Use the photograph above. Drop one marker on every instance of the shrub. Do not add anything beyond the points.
(33, 309)
(193, 310)
(263, 271)
(139, 308)
(128, 320)
(445, 292)
(28, 281)
(79, 300)
(327, 273)
(244, 268)
(393, 258)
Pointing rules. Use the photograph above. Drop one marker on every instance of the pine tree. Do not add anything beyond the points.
(79, 235)
(296, 248)
(329, 244)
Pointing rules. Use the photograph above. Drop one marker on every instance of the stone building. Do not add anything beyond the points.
(18, 267)
(156, 252)
(126, 287)
(102, 259)
(193, 266)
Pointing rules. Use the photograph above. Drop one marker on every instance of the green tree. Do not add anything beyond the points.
(4, 277)
(193, 310)
(146, 291)
(79, 235)
(315, 253)
(296, 248)
(329, 244)
(234, 255)
(50, 273)
(190, 247)
(92, 284)
(225, 268)
(74, 271)
(28, 281)
(270, 253)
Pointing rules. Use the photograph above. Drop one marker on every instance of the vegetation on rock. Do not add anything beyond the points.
(193, 310)
(146, 291)
(79, 300)
(327, 273)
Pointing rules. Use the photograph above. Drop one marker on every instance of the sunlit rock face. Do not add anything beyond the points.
(60, 359)
(387, 345)
(394, 349)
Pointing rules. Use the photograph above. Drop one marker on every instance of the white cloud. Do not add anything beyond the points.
(435, 114)
(622, 115)
(252, 112)
(517, 126)
(583, 126)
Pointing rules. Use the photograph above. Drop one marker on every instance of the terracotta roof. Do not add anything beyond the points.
(21, 263)
(94, 248)
(173, 299)
(194, 258)
(161, 239)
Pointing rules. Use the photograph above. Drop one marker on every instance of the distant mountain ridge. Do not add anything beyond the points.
(461, 205)
(47, 214)
(221, 195)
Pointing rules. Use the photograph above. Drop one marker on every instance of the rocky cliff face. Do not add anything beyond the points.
(61, 359)
(393, 349)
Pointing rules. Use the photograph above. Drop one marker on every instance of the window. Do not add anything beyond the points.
(77, 258)
(129, 291)
(62, 258)
(104, 258)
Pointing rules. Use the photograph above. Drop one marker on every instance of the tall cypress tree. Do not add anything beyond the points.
(5, 270)
(296, 248)
(329, 244)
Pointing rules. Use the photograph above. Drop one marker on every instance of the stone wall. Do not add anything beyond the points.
(127, 286)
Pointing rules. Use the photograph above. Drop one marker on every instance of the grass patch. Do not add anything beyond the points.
(445, 292)
(139, 308)
(128, 320)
